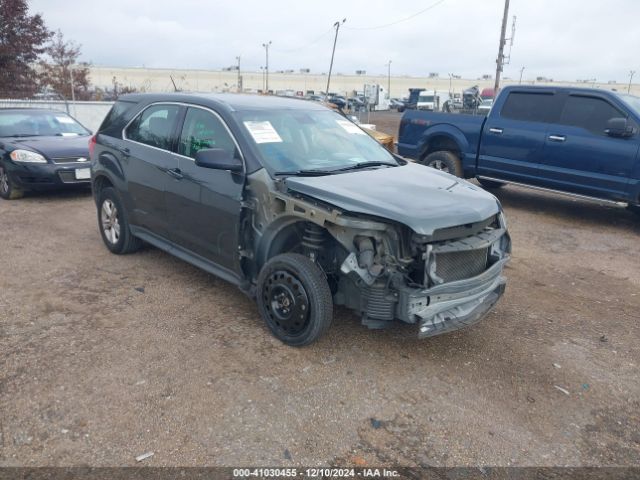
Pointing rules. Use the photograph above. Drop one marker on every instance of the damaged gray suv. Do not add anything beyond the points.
(299, 208)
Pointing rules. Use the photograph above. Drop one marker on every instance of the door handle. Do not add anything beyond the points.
(124, 151)
(557, 138)
(496, 130)
(175, 173)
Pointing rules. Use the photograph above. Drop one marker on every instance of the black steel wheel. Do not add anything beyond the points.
(294, 299)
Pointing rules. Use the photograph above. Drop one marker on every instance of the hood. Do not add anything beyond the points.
(420, 197)
(52, 147)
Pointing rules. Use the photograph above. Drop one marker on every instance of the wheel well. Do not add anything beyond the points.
(441, 142)
(101, 182)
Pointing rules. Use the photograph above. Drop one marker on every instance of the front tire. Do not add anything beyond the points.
(113, 224)
(294, 299)
(8, 190)
(444, 161)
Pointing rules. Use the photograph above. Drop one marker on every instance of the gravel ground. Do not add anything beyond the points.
(104, 357)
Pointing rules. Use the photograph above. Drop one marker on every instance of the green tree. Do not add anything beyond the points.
(61, 70)
(22, 40)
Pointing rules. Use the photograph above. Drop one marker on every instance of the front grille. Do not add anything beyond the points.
(452, 266)
(70, 159)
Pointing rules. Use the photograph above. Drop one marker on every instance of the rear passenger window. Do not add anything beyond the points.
(589, 113)
(530, 107)
(116, 119)
(154, 126)
(203, 130)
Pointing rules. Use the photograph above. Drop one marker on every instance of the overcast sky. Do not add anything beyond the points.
(560, 39)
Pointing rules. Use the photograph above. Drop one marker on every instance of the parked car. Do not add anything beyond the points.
(299, 208)
(485, 107)
(434, 101)
(396, 104)
(338, 100)
(578, 141)
(41, 149)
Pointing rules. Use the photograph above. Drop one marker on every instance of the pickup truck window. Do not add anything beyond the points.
(589, 113)
(530, 107)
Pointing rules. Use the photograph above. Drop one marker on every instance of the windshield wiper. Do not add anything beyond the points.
(306, 173)
(364, 165)
(22, 135)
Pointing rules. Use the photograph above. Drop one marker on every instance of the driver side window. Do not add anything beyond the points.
(203, 130)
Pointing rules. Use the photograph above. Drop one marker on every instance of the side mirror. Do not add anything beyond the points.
(619, 127)
(218, 159)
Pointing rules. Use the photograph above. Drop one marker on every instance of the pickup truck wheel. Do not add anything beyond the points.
(489, 184)
(8, 191)
(447, 162)
(294, 299)
(113, 224)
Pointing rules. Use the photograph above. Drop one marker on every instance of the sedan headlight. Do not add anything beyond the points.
(26, 156)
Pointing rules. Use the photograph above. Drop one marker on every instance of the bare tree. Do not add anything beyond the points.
(22, 41)
(62, 72)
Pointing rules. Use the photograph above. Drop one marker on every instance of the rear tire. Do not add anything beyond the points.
(489, 184)
(113, 224)
(444, 161)
(8, 190)
(294, 299)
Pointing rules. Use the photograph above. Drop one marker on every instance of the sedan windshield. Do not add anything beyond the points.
(298, 141)
(38, 124)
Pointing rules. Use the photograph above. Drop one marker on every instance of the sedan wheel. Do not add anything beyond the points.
(110, 222)
(4, 181)
(7, 190)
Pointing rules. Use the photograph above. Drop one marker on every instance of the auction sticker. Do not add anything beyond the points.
(62, 119)
(263, 132)
(350, 127)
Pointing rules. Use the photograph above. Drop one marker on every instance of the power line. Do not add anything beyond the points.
(304, 46)
(433, 5)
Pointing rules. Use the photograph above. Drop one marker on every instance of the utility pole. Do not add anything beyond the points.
(73, 90)
(389, 79)
(335, 40)
(500, 59)
(266, 48)
(521, 72)
(631, 74)
(451, 84)
(239, 76)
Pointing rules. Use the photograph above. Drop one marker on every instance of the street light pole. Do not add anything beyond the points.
(335, 40)
(389, 79)
(500, 59)
(266, 48)
(521, 72)
(631, 74)
(239, 76)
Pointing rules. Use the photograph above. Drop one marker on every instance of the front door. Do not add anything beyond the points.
(147, 161)
(579, 157)
(513, 139)
(204, 204)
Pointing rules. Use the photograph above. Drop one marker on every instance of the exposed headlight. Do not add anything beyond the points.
(26, 156)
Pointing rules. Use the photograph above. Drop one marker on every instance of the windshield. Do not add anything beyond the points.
(425, 98)
(38, 124)
(632, 101)
(298, 140)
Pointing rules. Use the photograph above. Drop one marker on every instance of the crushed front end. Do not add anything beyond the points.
(442, 282)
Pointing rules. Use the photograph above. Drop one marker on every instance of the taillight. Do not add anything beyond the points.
(92, 146)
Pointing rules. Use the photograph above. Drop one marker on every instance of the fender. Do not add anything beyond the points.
(447, 131)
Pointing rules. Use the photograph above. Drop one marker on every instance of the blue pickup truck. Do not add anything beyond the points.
(583, 142)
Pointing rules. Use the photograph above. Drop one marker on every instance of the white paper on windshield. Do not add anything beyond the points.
(64, 119)
(350, 127)
(65, 134)
(263, 132)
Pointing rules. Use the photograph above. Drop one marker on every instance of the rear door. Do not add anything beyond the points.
(203, 203)
(579, 157)
(513, 138)
(148, 161)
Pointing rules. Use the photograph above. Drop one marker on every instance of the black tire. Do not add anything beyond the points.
(8, 190)
(294, 299)
(490, 184)
(113, 224)
(444, 161)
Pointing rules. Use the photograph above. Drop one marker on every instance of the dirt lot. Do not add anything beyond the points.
(106, 357)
